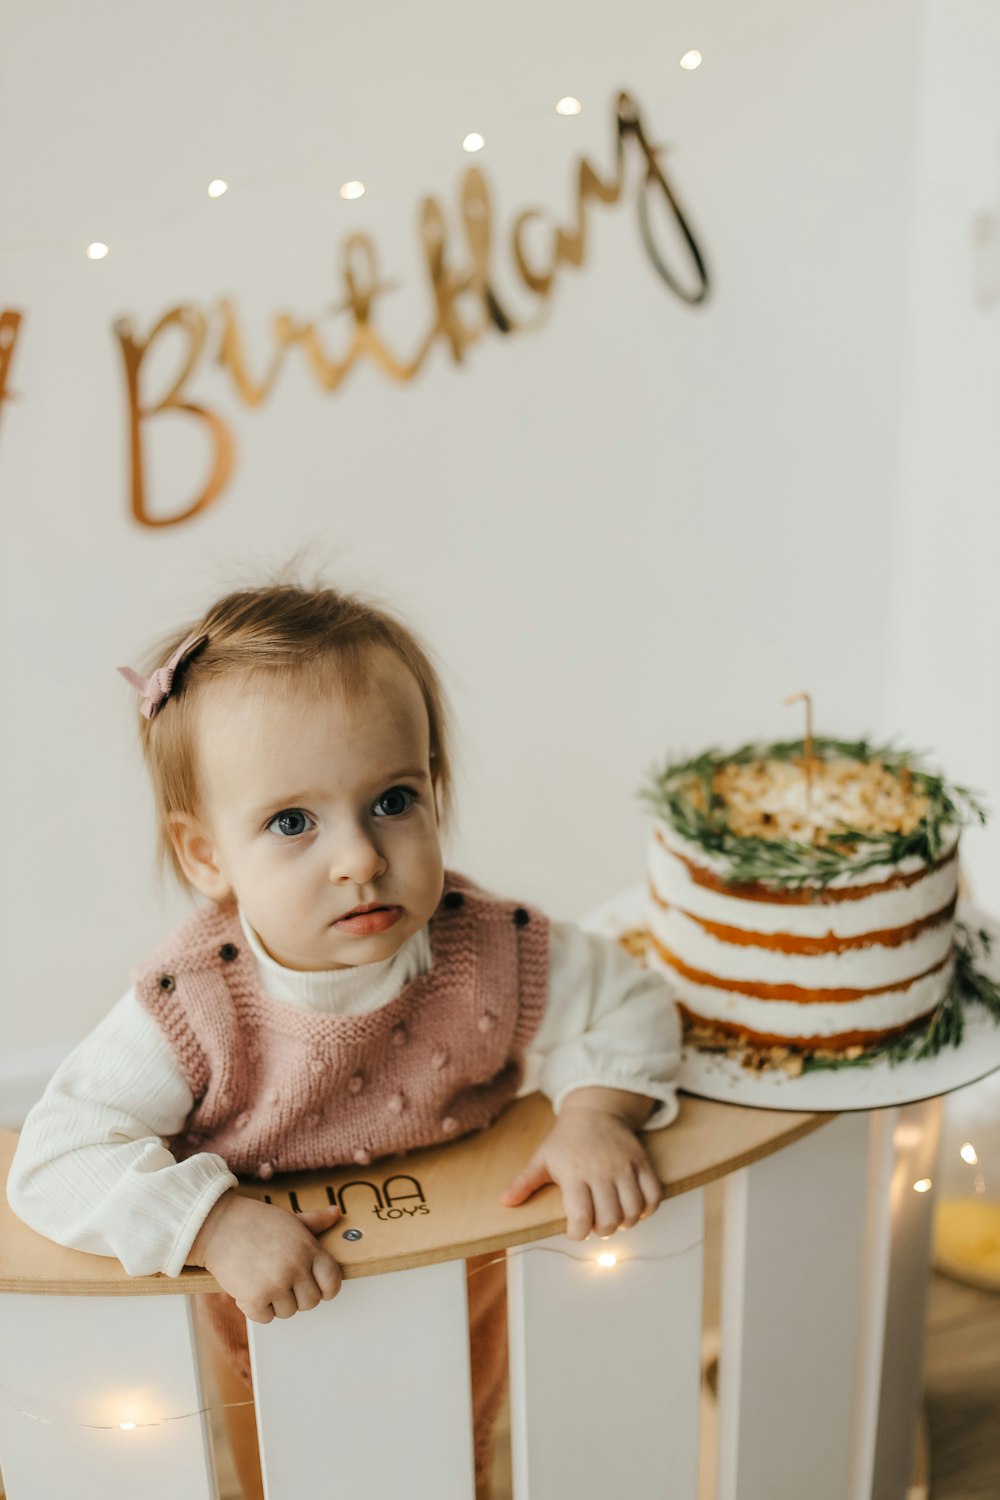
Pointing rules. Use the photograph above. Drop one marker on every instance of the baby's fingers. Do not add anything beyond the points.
(607, 1209)
(535, 1175)
(328, 1277)
(257, 1312)
(652, 1188)
(307, 1294)
(630, 1196)
(284, 1304)
(579, 1208)
(319, 1220)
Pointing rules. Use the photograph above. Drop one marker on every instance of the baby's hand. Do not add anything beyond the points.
(594, 1156)
(265, 1258)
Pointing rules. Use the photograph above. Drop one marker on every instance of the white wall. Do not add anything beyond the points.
(945, 627)
(635, 529)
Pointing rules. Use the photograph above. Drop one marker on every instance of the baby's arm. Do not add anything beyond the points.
(606, 1054)
(92, 1172)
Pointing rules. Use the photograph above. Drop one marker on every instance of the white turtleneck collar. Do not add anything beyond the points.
(346, 992)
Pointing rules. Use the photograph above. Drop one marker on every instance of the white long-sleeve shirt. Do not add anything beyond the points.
(92, 1171)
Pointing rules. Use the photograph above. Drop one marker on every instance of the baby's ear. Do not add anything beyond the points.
(198, 856)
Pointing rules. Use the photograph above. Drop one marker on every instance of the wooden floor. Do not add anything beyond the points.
(963, 1391)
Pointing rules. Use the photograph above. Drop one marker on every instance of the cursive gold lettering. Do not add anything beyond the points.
(464, 300)
(134, 351)
(478, 228)
(571, 244)
(232, 358)
(361, 286)
(447, 286)
(10, 327)
(630, 123)
(536, 281)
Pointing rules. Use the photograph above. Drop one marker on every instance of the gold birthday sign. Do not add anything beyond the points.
(464, 305)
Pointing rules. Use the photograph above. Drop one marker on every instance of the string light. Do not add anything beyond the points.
(923, 1185)
(218, 187)
(691, 60)
(968, 1153)
(605, 1258)
(121, 1426)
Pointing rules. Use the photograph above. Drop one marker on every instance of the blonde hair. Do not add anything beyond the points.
(278, 631)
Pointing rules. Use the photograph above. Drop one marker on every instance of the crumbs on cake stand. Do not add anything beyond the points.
(749, 1055)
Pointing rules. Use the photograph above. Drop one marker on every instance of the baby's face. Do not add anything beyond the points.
(313, 808)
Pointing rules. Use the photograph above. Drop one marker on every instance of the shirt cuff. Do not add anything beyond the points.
(219, 1183)
(666, 1094)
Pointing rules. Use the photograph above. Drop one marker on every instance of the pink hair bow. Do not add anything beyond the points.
(156, 690)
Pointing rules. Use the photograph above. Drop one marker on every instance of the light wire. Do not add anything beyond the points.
(202, 1411)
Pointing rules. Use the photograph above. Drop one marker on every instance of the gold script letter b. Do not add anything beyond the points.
(192, 322)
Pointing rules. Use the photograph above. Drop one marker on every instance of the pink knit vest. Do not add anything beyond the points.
(280, 1089)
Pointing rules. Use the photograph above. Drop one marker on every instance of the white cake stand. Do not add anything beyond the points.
(879, 1084)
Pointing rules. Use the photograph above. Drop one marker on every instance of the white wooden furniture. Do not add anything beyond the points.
(825, 1263)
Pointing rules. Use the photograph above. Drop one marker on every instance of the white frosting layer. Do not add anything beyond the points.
(812, 1022)
(671, 879)
(860, 968)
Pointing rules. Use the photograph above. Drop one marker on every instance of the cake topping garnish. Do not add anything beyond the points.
(861, 806)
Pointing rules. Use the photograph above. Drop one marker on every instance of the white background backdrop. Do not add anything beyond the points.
(632, 531)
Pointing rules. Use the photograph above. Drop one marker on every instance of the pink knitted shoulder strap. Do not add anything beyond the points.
(530, 930)
(191, 953)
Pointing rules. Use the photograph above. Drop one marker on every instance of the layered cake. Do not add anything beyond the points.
(804, 901)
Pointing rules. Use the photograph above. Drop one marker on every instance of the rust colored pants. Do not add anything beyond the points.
(487, 1292)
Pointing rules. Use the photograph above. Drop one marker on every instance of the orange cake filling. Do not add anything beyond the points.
(836, 1043)
(789, 942)
(796, 993)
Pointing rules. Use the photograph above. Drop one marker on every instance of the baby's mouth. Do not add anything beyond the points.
(370, 919)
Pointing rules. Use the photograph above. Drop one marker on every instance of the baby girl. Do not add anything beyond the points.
(337, 996)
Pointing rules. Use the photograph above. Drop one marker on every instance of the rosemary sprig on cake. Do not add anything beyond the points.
(745, 807)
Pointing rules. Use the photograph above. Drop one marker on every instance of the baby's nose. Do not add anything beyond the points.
(357, 859)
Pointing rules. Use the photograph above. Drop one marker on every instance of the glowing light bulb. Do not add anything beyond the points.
(97, 251)
(691, 60)
(568, 106)
(126, 1426)
(473, 142)
(217, 187)
(607, 1258)
(969, 1153)
(923, 1186)
(352, 189)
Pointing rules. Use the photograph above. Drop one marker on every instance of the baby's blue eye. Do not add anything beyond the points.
(291, 823)
(398, 799)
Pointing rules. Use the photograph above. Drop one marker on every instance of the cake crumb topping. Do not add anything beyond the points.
(768, 799)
